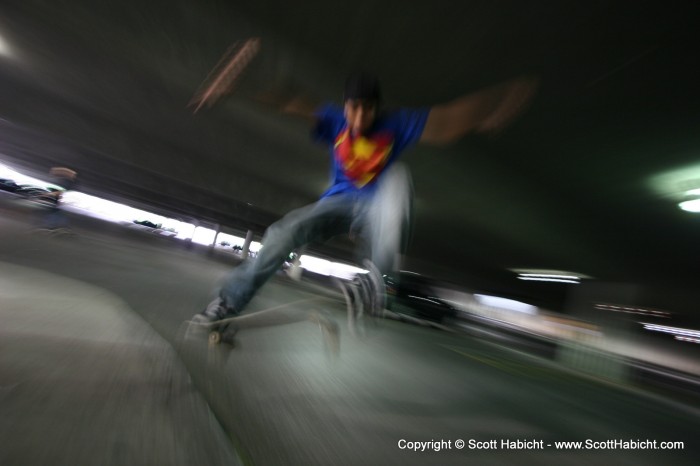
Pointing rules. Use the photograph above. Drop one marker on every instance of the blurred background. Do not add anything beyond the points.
(569, 237)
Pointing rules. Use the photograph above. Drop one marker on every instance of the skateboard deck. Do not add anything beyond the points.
(223, 331)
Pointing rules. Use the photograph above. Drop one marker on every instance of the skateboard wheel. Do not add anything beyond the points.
(214, 338)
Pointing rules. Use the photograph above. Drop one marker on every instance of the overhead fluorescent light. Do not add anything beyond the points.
(676, 331)
(681, 334)
(632, 310)
(692, 202)
(552, 276)
(549, 275)
(5, 48)
(549, 279)
(690, 206)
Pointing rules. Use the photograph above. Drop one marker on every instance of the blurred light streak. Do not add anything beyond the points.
(548, 275)
(5, 50)
(682, 334)
(547, 279)
(329, 268)
(224, 75)
(677, 182)
(688, 339)
(120, 213)
(690, 206)
(505, 303)
(632, 310)
(19, 178)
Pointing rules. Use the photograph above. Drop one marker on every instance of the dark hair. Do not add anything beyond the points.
(362, 86)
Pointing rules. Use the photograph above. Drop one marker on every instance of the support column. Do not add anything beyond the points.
(216, 236)
(246, 244)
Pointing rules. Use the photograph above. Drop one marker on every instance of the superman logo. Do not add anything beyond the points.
(362, 158)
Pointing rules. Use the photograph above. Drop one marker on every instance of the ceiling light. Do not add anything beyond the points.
(549, 279)
(548, 275)
(692, 201)
(4, 48)
(632, 310)
(690, 206)
(677, 331)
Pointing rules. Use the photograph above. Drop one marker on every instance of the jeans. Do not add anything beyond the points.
(379, 220)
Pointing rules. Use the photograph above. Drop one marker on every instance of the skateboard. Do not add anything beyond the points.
(223, 331)
(218, 330)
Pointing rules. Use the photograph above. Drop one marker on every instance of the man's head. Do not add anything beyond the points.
(63, 172)
(362, 98)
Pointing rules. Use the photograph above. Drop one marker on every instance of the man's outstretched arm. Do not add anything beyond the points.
(485, 111)
(293, 105)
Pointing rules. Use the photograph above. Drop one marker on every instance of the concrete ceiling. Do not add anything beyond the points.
(587, 180)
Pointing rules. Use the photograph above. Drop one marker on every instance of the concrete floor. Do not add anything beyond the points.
(93, 370)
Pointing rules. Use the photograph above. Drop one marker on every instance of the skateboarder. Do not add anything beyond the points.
(370, 192)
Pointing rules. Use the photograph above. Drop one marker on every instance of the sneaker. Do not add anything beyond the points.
(363, 296)
(202, 319)
(377, 288)
(371, 291)
(215, 310)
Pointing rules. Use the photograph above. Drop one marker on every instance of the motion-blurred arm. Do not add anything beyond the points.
(293, 105)
(485, 111)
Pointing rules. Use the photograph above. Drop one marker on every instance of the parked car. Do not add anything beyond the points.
(412, 294)
(38, 194)
(28, 190)
(147, 223)
(8, 185)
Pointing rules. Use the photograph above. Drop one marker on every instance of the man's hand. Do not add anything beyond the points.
(514, 100)
(63, 172)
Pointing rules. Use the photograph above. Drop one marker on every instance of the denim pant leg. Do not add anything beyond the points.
(318, 222)
(387, 218)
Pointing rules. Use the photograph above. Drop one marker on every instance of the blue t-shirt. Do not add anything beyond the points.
(359, 162)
